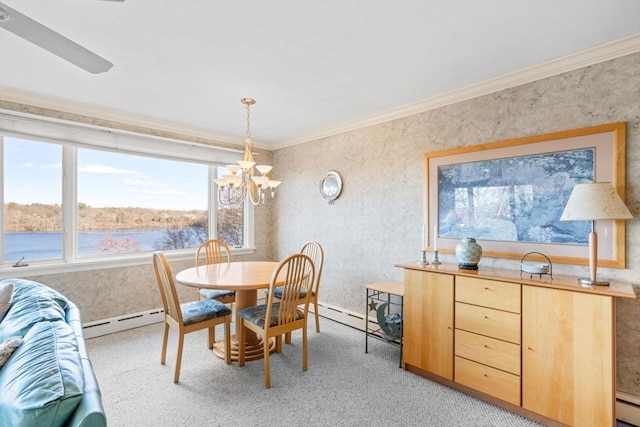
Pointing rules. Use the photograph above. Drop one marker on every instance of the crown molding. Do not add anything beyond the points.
(595, 55)
(89, 114)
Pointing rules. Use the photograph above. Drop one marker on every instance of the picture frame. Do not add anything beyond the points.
(509, 195)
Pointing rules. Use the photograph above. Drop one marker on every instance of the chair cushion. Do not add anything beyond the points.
(42, 383)
(199, 311)
(258, 313)
(216, 293)
(278, 292)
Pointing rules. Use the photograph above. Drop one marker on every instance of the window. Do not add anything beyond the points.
(92, 195)
(32, 186)
(230, 219)
(130, 203)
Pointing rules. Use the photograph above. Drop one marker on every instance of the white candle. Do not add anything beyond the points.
(424, 238)
(435, 237)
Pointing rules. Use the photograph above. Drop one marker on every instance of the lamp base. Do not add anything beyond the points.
(585, 281)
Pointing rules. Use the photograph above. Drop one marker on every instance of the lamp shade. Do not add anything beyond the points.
(594, 201)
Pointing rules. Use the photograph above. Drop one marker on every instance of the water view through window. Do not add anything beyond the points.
(132, 203)
(32, 180)
(125, 203)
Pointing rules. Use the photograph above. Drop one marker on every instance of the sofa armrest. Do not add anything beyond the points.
(89, 412)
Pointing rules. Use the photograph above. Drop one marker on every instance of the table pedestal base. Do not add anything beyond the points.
(253, 350)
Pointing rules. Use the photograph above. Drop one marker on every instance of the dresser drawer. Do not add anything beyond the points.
(488, 351)
(488, 293)
(486, 321)
(503, 385)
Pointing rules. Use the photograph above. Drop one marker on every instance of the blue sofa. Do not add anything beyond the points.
(48, 380)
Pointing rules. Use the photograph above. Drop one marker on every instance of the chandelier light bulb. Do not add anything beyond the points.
(245, 165)
(264, 169)
(233, 168)
(220, 182)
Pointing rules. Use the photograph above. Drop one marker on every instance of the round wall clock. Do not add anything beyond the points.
(331, 186)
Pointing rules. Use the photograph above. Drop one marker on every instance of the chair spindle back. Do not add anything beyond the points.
(168, 291)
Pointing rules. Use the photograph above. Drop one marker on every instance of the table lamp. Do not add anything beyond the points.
(591, 202)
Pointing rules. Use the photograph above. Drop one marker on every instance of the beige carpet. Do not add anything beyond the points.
(343, 386)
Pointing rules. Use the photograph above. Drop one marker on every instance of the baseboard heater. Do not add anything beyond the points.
(627, 405)
(144, 318)
(122, 323)
(628, 408)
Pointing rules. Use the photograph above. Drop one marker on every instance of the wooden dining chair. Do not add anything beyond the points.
(314, 251)
(275, 318)
(215, 251)
(188, 317)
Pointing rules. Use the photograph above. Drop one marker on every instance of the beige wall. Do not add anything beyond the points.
(377, 220)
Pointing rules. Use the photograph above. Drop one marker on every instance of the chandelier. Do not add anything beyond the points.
(242, 180)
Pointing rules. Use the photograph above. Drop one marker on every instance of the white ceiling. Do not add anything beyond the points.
(313, 66)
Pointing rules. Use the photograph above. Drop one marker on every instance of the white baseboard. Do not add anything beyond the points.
(340, 315)
(122, 323)
(627, 405)
(144, 318)
(628, 408)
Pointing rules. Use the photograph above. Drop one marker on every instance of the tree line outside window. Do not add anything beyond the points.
(121, 203)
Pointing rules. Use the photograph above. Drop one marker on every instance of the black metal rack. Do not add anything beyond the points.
(386, 300)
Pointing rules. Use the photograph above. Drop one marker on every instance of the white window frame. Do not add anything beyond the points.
(72, 136)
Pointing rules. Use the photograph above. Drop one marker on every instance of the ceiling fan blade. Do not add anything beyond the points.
(30, 30)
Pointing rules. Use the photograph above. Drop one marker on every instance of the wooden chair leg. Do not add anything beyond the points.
(267, 371)
(304, 348)
(165, 338)
(279, 344)
(176, 376)
(287, 338)
(212, 336)
(227, 341)
(315, 304)
(241, 344)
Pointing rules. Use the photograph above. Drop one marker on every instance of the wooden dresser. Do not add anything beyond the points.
(541, 347)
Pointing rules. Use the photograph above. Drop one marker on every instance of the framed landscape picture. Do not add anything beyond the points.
(509, 195)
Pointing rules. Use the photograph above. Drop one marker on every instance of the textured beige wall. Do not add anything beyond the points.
(377, 220)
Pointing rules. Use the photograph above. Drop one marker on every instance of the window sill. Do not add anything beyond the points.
(44, 268)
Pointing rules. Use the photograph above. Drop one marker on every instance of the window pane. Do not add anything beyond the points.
(32, 180)
(130, 203)
(230, 219)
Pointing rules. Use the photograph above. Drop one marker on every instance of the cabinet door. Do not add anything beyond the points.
(568, 356)
(428, 322)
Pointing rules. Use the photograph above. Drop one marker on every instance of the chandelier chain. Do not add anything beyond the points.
(248, 133)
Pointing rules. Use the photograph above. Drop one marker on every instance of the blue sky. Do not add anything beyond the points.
(33, 174)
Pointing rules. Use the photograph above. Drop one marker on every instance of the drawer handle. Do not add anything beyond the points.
(486, 317)
(487, 288)
(486, 346)
(486, 376)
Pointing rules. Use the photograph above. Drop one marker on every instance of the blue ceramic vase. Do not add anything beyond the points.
(468, 252)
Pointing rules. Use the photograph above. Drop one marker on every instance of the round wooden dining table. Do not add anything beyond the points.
(243, 277)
